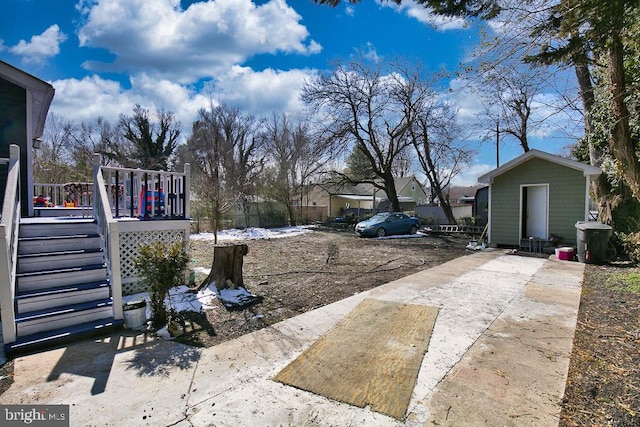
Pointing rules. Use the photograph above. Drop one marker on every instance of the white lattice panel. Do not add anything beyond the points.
(129, 244)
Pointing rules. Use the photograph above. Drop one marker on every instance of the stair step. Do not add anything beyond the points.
(29, 263)
(35, 227)
(38, 321)
(62, 270)
(41, 280)
(62, 289)
(71, 308)
(59, 237)
(32, 245)
(60, 253)
(62, 335)
(45, 299)
(59, 260)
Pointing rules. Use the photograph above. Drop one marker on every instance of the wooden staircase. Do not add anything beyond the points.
(62, 285)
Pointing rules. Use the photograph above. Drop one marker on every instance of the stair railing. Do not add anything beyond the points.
(9, 245)
(111, 235)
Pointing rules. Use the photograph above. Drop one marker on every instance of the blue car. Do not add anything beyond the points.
(388, 223)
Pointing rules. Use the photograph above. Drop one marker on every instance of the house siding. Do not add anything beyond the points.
(566, 188)
(13, 122)
(415, 191)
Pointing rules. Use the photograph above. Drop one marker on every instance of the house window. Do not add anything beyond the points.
(413, 186)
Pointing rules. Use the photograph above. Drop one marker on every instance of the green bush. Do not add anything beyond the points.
(630, 244)
(161, 266)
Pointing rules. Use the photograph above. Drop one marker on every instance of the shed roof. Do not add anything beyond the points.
(587, 170)
(42, 93)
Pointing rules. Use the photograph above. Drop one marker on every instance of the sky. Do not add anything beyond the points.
(105, 56)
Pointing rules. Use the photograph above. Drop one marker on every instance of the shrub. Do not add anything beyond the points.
(630, 244)
(161, 266)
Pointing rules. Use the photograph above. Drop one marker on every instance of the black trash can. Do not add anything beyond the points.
(593, 238)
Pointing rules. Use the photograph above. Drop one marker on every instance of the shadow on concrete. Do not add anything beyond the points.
(159, 357)
(94, 358)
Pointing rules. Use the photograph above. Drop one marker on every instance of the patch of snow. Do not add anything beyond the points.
(254, 233)
(202, 270)
(236, 297)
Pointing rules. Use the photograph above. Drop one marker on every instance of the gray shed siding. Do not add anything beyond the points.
(566, 186)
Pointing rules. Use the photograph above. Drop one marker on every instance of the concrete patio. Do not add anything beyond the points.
(499, 355)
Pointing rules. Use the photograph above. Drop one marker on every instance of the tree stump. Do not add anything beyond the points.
(226, 269)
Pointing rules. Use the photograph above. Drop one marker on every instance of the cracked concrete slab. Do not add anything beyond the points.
(498, 355)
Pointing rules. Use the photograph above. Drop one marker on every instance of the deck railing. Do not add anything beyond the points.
(135, 193)
(9, 244)
(147, 194)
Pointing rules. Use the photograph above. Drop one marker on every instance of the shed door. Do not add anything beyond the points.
(535, 211)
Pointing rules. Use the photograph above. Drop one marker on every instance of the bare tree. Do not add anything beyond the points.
(372, 108)
(508, 92)
(226, 159)
(440, 149)
(53, 161)
(296, 154)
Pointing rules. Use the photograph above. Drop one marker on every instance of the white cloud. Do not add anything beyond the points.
(265, 91)
(203, 40)
(425, 15)
(181, 60)
(89, 98)
(469, 177)
(85, 100)
(258, 93)
(40, 47)
(370, 53)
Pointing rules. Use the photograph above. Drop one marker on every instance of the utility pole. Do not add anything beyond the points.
(497, 144)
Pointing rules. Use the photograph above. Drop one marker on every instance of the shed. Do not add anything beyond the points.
(535, 196)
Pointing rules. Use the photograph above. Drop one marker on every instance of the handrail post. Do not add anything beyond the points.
(9, 246)
(96, 169)
(116, 282)
(187, 191)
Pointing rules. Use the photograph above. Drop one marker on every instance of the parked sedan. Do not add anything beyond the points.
(388, 223)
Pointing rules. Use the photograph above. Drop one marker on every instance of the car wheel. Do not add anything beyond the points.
(413, 229)
(381, 232)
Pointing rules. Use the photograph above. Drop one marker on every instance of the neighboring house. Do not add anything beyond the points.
(463, 205)
(364, 198)
(535, 196)
(65, 264)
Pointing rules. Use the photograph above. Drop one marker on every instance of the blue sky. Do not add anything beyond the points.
(105, 56)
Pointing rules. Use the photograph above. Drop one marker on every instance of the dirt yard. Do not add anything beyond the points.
(298, 274)
(603, 388)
